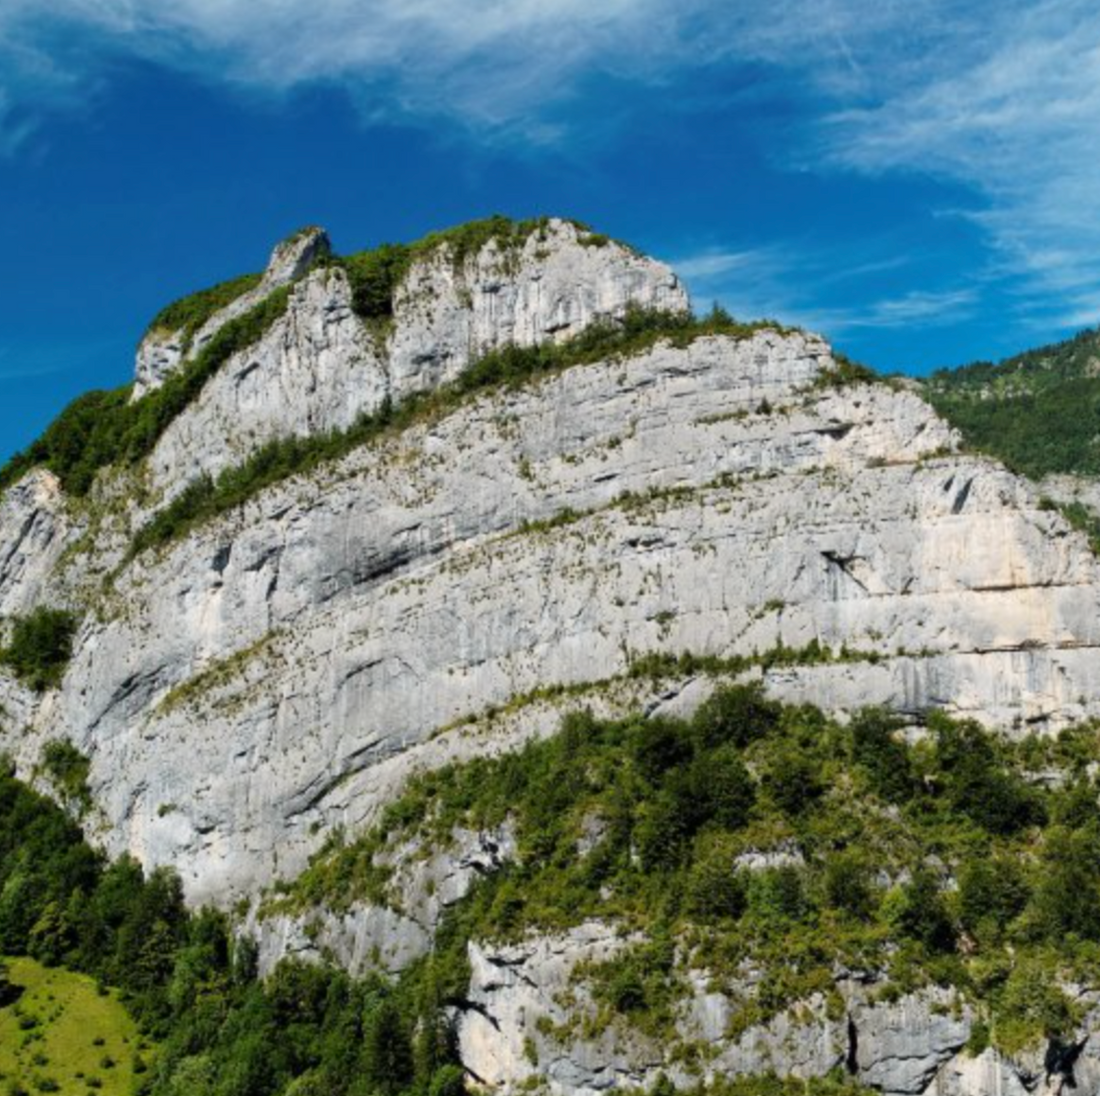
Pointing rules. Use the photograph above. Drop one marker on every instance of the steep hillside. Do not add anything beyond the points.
(1038, 411)
(362, 519)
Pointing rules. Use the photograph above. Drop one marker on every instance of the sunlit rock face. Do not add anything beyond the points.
(283, 669)
(320, 367)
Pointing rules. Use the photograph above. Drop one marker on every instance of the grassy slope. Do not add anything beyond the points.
(72, 1018)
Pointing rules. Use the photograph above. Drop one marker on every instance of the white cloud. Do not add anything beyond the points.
(490, 62)
(1015, 117)
(782, 280)
(1002, 97)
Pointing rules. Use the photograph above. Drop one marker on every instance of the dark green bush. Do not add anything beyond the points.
(993, 892)
(1066, 897)
(778, 894)
(921, 913)
(977, 783)
(374, 277)
(876, 747)
(714, 890)
(41, 647)
(847, 884)
(793, 780)
(723, 788)
(735, 716)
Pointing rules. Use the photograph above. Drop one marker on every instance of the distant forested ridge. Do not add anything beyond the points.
(1038, 411)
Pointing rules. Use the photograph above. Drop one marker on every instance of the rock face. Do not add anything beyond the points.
(34, 529)
(162, 351)
(239, 693)
(528, 1016)
(283, 669)
(320, 367)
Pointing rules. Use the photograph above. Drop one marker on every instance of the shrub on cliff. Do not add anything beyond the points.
(41, 646)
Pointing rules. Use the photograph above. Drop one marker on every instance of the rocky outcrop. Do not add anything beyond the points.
(558, 283)
(530, 1015)
(320, 367)
(423, 885)
(162, 351)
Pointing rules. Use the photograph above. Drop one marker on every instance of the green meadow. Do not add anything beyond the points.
(63, 1035)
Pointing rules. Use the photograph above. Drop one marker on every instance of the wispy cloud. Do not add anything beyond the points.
(1014, 115)
(1002, 96)
(784, 280)
(492, 64)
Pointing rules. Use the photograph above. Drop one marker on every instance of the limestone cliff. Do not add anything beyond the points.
(281, 669)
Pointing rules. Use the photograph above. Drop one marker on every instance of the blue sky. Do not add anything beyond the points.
(917, 180)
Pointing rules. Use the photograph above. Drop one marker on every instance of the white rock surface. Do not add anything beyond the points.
(34, 530)
(447, 314)
(161, 351)
(342, 618)
(285, 668)
(320, 367)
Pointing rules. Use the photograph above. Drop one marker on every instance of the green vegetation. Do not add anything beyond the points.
(41, 646)
(104, 428)
(60, 1029)
(864, 828)
(189, 985)
(847, 372)
(511, 366)
(68, 769)
(188, 314)
(1039, 411)
(878, 826)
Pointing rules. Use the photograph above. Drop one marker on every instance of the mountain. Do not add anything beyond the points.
(313, 611)
(1038, 411)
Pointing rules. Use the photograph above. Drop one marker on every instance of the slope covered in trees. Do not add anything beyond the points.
(880, 828)
(1038, 411)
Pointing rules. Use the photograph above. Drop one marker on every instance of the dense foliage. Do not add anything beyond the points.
(193, 988)
(1039, 411)
(205, 498)
(865, 830)
(41, 646)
